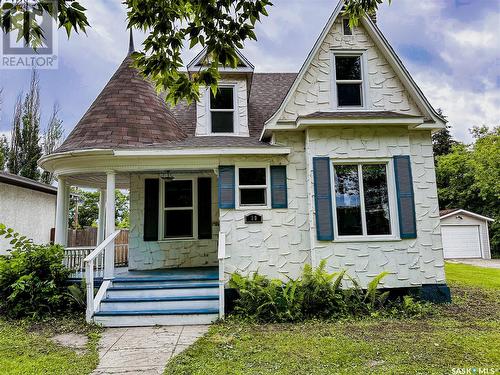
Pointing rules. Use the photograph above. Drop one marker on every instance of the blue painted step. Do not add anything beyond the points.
(159, 312)
(151, 279)
(165, 286)
(161, 299)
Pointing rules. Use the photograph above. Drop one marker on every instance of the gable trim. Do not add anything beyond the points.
(388, 52)
(248, 68)
(465, 212)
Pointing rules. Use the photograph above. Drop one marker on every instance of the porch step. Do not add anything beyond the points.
(160, 303)
(155, 317)
(174, 298)
(155, 282)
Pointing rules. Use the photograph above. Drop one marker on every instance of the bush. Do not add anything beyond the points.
(33, 279)
(317, 295)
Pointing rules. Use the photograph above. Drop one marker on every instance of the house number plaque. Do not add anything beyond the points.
(253, 219)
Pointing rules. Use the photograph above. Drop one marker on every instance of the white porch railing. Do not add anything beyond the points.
(74, 260)
(108, 269)
(221, 254)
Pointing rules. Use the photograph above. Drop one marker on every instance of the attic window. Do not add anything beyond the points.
(346, 27)
(222, 110)
(349, 81)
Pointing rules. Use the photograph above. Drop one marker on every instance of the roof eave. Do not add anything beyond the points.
(456, 212)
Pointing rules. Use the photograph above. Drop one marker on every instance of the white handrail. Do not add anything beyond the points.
(101, 246)
(93, 302)
(221, 255)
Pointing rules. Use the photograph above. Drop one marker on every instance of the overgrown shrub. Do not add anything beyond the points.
(33, 279)
(317, 295)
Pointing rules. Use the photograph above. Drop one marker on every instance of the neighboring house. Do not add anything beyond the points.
(334, 163)
(465, 234)
(28, 207)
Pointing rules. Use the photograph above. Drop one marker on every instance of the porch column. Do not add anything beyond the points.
(109, 261)
(101, 218)
(62, 212)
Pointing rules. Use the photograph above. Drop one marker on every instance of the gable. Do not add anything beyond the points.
(387, 85)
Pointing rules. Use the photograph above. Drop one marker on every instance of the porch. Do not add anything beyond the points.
(172, 271)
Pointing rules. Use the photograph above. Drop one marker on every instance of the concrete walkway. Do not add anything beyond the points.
(143, 350)
(488, 263)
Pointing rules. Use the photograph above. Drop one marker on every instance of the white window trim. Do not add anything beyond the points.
(364, 80)
(391, 191)
(235, 110)
(163, 209)
(265, 166)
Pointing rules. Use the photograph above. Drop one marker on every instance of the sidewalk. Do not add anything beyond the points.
(143, 350)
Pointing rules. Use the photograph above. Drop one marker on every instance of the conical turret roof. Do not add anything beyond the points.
(127, 113)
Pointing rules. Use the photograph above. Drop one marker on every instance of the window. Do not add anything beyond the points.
(362, 200)
(222, 110)
(349, 81)
(178, 209)
(252, 186)
(347, 29)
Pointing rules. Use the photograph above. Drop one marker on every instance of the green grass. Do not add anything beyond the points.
(26, 348)
(464, 334)
(463, 274)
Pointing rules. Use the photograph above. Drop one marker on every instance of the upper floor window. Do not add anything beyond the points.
(349, 81)
(222, 110)
(346, 27)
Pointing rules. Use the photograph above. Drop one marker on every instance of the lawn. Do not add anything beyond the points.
(26, 348)
(465, 334)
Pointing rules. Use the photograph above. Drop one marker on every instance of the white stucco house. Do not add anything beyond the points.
(465, 234)
(276, 171)
(28, 207)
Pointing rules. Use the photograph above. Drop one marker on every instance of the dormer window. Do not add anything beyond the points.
(349, 80)
(222, 110)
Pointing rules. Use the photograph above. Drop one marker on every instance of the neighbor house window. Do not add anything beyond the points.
(222, 110)
(362, 200)
(349, 81)
(252, 186)
(347, 29)
(178, 209)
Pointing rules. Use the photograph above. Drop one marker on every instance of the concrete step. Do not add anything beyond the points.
(160, 303)
(156, 317)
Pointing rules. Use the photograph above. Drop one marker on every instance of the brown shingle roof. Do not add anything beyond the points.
(127, 113)
(447, 211)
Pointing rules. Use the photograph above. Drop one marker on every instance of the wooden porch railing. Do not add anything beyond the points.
(93, 301)
(221, 254)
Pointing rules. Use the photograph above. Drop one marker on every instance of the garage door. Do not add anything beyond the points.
(461, 241)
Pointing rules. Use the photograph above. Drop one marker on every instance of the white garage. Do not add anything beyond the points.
(465, 234)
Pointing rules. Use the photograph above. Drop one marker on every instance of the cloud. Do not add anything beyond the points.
(450, 47)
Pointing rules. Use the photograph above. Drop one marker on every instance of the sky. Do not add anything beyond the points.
(451, 48)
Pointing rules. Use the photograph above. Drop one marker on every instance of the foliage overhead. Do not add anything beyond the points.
(220, 26)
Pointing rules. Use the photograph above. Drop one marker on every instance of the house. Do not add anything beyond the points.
(465, 234)
(276, 171)
(28, 207)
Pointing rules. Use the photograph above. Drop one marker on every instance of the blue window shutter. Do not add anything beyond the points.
(406, 197)
(226, 186)
(151, 205)
(323, 198)
(279, 197)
